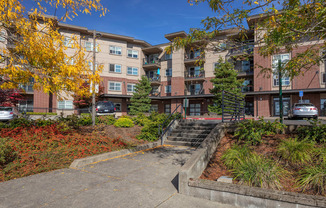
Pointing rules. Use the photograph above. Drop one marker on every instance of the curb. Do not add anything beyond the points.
(78, 163)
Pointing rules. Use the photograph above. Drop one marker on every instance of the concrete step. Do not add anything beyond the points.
(179, 143)
(181, 127)
(186, 139)
(197, 124)
(190, 134)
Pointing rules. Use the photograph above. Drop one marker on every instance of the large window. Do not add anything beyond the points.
(154, 108)
(89, 46)
(195, 109)
(168, 56)
(65, 104)
(90, 65)
(115, 50)
(25, 106)
(115, 86)
(168, 72)
(168, 89)
(132, 70)
(131, 87)
(132, 53)
(285, 78)
(167, 108)
(67, 42)
(115, 68)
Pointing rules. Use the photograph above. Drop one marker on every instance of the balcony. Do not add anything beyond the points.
(155, 94)
(194, 75)
(246, 49)
(247, 89)
(151, 63)
(191, 58)
(242, 72)
(195, 92)
(27, 88)
(155, 80)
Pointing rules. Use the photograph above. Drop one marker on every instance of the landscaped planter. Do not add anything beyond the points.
(234, 194)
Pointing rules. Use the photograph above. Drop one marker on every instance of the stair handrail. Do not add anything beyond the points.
(161, 126)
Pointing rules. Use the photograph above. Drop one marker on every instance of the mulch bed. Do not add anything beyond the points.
(216, 168)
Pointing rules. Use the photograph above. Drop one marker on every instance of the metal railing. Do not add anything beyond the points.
(148, 61)
(58, 111)
(156, 78)
(194, 75)
(233, 107)
(161, 130)
(195, 92)
(155, 94)
(242, 49)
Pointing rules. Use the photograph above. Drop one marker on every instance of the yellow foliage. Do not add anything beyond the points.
(36, 51)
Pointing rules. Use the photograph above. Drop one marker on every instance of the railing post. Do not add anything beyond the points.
(223, 106)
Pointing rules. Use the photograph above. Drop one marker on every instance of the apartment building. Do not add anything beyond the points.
(176, 76)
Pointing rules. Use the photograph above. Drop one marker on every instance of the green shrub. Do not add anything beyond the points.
(320, 154)
(7, 154)
(252, 131)
(146, 136)
(40, 113)
(20, 122)
(315, 132)
(313, 177)
(259, 171)
(124, 122)
(296, 152)
(71, 120)
(140, 119)
(235, 155)
(107, 120)
(3, 125)
(43, 122)
(85, 120)
(126, 116)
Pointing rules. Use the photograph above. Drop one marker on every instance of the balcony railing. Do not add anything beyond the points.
(194, 74)
(27, 88)
(195, 92)
(247, 89)
(149, 61)
(243, 49)
(191, 56)
(156, 79)
(155, 94)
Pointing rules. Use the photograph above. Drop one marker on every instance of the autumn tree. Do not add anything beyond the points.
(279, 25)
(140, 101)
(85, 100)
(35, 49)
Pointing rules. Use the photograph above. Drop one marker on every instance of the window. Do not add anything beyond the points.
(195, 109)
(91, 88)
(115, 68)
(117, 107)
(25, 106)
(90, 64)
(323, 77)
(67, 42)
(2, 36)
(131, 87)
(115, 86)
(115, 50)
(65, 104)
(285, 79)
(89, 46)
(168, 72)
(167, 108)
(168, 89)
(132, 71)
(216, 65)
(154, 108)
(132, 53)
(168, 56)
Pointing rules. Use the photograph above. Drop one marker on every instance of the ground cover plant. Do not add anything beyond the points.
(293, 162)
(33, 146)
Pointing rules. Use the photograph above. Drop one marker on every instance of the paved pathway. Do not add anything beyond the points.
(145, 179)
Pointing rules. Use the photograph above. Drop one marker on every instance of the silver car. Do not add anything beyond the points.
(7, 113)
(303, 110)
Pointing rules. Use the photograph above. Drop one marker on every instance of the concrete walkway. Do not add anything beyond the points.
(144, 179)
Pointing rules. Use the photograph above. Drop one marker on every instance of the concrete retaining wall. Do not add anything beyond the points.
(233, 194)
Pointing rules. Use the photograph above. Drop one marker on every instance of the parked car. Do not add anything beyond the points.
(105, 108)
(7, 113)
(303, 110)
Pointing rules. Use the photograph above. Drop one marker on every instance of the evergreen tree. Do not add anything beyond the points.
(140, 101)
(225, 79)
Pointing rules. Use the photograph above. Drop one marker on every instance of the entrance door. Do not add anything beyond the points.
(286, 106)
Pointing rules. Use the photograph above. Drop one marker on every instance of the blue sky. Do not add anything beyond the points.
(147, 20)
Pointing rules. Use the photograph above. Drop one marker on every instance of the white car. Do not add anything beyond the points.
(7, 113)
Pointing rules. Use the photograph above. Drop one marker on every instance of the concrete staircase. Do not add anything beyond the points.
(190, 133)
